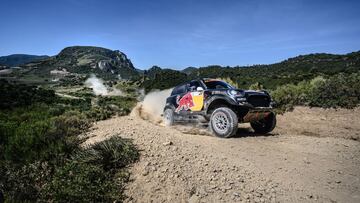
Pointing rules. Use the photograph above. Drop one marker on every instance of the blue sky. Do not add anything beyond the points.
(181, 33)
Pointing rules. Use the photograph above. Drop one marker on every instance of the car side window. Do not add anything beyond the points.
(194, 85)
(183, 89)
(179, 90)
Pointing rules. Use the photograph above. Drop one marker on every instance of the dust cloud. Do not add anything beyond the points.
(99, 88)
(152, 106)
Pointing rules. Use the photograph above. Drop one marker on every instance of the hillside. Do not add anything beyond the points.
(77, 62)
(292, 70)
(157, 78)
(19, 59)
(79, 59)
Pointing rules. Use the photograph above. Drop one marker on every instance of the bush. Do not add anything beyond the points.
(71, 123)
(76, 182)
(31, 141)
(230, 81)
(287, 96)
(113, 153)
(109, 106)
(24, 183)
(12, 95)
(338, 91)
(117, 103)
(94, 174)
(98, 114)
(32, 133)
(256, 86)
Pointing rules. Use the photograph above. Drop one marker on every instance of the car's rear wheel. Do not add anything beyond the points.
(223, 122)
(169, 117)
(265, 125)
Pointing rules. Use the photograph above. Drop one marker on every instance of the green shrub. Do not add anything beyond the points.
(256, 86)
(287, 96)
(71, 123)
(122, 103)
(113, 153)
(32, 133)
(77, 182)
(23, 184)
(30, 141)
(338, 91)
(98, 113)
(109, 106)
(230, 81)
(94, 174)
(341, 90)
(12, 95)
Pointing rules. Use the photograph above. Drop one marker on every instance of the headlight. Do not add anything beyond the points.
(236, 93)
(233, 92)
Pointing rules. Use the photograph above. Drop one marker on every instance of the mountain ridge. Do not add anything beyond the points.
(291, 70)
(108, 64)
(20, 59)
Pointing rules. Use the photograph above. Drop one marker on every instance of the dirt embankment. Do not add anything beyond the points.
(306, 158)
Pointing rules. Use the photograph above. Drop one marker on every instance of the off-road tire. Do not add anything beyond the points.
(168, 117)
(265, 125)
(223, 122)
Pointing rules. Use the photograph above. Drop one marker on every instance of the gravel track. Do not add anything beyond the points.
(305, 159)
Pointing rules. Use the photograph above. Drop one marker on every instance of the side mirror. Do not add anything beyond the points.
(199, 89)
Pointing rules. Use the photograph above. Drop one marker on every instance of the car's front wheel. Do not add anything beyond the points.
(265, 125)
(169, 117)
(224, 122)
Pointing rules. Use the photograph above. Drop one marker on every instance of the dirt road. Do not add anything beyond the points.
(305, 159)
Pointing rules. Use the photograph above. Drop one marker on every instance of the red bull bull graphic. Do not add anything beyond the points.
(193, 101)
(185, 102)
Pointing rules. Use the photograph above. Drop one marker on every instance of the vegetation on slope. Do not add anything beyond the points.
(293, 70)
(296, 81)
(77, 62)
(341, 90)
(20, 59)
(40, 147)
(157, 78)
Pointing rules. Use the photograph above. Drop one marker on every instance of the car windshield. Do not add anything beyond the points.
(217, 84)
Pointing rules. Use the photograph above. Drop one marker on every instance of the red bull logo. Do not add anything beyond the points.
(185, 102)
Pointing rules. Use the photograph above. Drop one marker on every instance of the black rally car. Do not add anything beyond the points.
(221, 105)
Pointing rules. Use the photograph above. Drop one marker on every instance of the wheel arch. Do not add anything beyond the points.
(218, 101)
(169, 106)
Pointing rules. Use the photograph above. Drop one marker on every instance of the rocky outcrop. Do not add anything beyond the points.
(103, 62)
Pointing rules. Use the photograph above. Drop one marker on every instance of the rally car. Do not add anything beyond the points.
(221, 106)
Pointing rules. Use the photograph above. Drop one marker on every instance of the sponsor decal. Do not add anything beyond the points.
(185, 102)
(193, 101)
(218, 92)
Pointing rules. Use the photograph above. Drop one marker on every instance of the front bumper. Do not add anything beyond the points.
(254, 113)
(251, 107)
